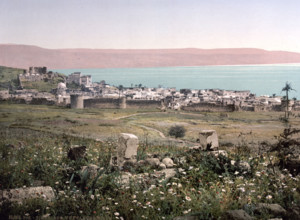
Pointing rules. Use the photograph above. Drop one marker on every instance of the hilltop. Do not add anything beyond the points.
(23, 56)
(9, 79)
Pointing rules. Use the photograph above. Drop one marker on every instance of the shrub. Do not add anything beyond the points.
(177, 131)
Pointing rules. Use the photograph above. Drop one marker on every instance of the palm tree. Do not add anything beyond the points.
(120, 87)
(287, 89)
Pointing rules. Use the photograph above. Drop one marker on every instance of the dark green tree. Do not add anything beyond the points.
(177, 131)
(287, 88)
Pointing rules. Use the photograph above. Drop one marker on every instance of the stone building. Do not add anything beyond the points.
(79, 79)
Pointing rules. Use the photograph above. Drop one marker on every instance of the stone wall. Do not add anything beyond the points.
(111, 103)
(102, 103)
(42, 101)
(143, 104)
(209, 107)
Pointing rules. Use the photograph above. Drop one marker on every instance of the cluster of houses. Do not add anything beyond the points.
(172, 98)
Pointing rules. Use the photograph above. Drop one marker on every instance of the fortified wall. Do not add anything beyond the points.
(209, 107)
(109, 103)
(77, 101)
(144, 104)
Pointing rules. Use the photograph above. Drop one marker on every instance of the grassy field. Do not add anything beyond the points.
(35, 139)
(238, 127)
(43, 86)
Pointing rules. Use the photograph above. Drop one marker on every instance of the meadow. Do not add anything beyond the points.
(35, 139)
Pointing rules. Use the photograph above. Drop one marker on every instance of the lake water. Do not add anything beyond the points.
(259, 79)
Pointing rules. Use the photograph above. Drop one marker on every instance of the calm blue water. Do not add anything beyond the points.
(260, 79)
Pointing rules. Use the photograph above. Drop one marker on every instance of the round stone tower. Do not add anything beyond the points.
(122, 103)
(77, 101)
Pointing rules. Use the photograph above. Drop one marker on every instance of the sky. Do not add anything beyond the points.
(152, 24)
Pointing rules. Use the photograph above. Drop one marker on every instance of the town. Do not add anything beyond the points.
(78, 91)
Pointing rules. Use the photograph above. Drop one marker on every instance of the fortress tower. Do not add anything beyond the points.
(77, 101)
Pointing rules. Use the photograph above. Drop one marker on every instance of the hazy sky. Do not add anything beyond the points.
(266, 24)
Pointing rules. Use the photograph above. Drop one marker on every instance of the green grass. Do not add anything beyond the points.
(246, 127)
(43, 86)
(9, 77)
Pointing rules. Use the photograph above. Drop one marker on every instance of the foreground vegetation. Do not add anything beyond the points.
(34, 141)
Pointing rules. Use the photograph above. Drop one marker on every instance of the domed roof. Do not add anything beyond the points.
(61, 85)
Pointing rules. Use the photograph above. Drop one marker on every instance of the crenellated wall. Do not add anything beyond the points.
(209, 107)
(143, 104)
(111, 103)
(102, 103)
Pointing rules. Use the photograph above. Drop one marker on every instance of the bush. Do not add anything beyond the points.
(177, 131)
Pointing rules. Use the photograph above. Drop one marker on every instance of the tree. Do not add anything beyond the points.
(177, 131)
(120, 87)
(287, 88)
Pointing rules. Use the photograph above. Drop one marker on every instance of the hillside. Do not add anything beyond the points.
(24, 56)
(9, 78)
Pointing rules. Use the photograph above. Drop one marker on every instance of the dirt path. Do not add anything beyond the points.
(152, 129)
(164, 137)
(146, 113)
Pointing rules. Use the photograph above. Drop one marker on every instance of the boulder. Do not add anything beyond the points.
(293, 165)
(168, 162)
(125, 178)
(169, 173)
(209, 139)
(237, 215)
(243, 165)
(154, 162)
(219, 152)
(162, 166)
(272, 209)
(91, 169)
(293, 212)
(20, 194)
(187, 217)
(77, 152)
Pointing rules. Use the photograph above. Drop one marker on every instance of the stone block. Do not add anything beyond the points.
(126, 149)
(20, 194)
(273, 209)
(209, 139)
(154, 162)
(237, 215)
(168, 162)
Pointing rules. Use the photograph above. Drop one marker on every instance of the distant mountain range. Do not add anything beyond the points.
(23, 56)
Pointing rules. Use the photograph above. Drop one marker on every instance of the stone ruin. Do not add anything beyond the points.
(126, 150)
(209, 140)
(20, 194)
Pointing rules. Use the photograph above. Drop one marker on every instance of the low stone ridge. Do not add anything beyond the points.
(237, 215)
(273, 209)
(168, 162)
(209, 139)
(20, 194)
(154, 162)
(188, 217)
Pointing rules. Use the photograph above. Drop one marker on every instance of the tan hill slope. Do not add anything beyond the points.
(23, 56)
